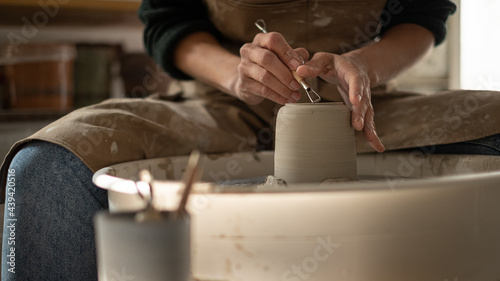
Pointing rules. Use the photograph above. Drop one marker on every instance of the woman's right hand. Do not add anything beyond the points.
(264, 71)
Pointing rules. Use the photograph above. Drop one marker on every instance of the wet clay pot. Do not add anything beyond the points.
(314, 142)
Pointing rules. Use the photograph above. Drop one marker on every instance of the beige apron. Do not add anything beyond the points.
(132, 129)
(403, 120)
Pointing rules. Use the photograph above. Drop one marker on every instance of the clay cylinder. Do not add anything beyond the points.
(314, 142)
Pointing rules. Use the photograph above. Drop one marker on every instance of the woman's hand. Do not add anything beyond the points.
(352, 78)
(264, 71)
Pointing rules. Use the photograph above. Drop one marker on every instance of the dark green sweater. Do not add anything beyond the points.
(168, 21)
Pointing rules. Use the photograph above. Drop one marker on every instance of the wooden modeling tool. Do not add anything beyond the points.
(191, 175)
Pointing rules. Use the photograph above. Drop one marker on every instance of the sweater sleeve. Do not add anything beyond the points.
(431, 14)
(166, 23)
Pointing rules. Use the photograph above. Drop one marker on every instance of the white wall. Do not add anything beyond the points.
(480, 42)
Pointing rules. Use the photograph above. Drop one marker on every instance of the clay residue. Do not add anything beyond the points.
(114, 148)
(229, 267)
(322, 22)
(240, 248)
(273, 182)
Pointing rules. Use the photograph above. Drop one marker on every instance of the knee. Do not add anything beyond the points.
(48, 171)
(40, 158)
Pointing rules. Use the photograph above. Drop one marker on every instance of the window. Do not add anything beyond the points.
(479, 43)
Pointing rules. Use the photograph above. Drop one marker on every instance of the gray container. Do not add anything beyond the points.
(131, 250)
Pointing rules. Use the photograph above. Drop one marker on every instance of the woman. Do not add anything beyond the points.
(241, 77)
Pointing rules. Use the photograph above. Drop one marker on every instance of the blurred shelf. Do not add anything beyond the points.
(28, 115)
(101, 5)
(73, 13)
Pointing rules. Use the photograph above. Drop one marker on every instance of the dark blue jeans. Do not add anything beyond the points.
(55, 202)
(49, 231)
(484, 146)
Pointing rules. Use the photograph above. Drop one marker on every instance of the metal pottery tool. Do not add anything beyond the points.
(191, 175)
(261, 24)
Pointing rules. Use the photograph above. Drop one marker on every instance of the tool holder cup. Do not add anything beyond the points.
(142, 250)
(314, 142)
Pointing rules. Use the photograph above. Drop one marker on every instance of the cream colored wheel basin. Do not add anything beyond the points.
(410, 217)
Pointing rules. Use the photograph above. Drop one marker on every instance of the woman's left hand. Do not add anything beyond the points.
(352, 78)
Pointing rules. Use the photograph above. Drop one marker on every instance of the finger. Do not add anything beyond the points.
(363, 101)
(337, 70)
(265, 78)
(352, 78)
(359, 96)
(358, 87)
(250, 86)
(345, 96)
(370, 132)
(272, 72)
(320, 64)
(256, 89)
(276, 43)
